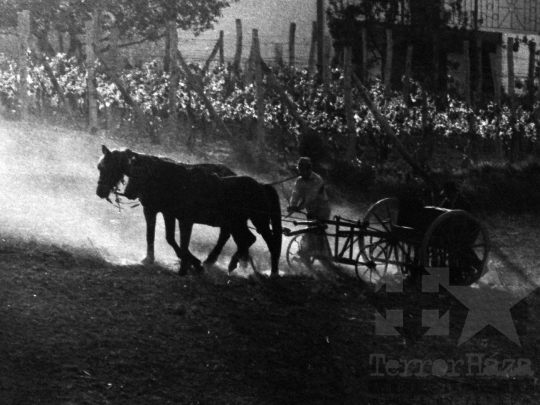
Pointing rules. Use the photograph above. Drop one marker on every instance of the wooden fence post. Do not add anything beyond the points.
(115, 59)
(248, 71)
(365, 67)
(511, 81)
(407, 78)
(115, 66)
(538, 92)
(385, 126)
(90, 31)
(327, 77)
(56, 86)
(215, 50)
(427, 136)
(259, 94)
(530, 79)
(292, 33)
(388, 63)
(436, 63)
(515, 141)
(238, 53)
(495, 61)
(141, 119)
(499, 69)
(278, 48)
(312, 49)
(174, 76)
(196, 85)
(467, 72)
(347, 96)
(320, 40)
(305, 130)
(221, 50)
(24, 35)
(496, 75)
(479, 75)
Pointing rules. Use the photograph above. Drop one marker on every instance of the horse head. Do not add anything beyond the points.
(112, 166)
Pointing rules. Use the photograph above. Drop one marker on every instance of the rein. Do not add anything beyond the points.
(282, 181)
(118, 202)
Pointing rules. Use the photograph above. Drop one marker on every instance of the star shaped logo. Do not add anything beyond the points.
(486, 305)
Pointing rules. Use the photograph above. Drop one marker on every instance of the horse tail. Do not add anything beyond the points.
(275, 220)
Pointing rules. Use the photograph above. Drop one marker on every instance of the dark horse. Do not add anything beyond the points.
(195, 197)
(114, 165)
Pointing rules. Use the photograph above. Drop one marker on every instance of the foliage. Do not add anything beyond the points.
(426, 125)
(133, 17)
(8, 82)
(395, 11)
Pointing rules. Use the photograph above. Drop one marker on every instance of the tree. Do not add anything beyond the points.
(144, 19)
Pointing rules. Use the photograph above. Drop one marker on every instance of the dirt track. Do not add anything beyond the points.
(76, 330)
(49, 177)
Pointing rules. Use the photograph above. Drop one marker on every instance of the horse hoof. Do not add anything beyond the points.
(199, 268)
(210, 261)
(182, 272)
(147, 261)
(232, 267)
(207, 265)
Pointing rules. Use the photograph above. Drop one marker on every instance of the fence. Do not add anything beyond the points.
(255, 67)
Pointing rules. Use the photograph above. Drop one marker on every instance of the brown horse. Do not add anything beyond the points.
(114, 166)
(193, 196)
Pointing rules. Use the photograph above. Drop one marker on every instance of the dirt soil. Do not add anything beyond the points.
(81, 322)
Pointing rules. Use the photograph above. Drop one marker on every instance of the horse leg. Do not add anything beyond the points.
(263, 228)
(224, 235)
(170, 230)
(150, 217)
(186, 256)
(243, 239)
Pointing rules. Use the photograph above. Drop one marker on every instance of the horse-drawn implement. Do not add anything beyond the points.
(394, 236)
(398, 237)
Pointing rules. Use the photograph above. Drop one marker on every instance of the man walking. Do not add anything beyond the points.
(310, 194)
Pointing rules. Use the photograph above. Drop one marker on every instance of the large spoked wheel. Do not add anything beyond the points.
(383, 214)
(297, 262)
(458, 241)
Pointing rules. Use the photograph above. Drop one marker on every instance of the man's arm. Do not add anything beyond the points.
(297, 195)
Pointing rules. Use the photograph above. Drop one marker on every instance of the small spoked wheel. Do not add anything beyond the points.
(297, 260)
(367, 271)
(373, 261)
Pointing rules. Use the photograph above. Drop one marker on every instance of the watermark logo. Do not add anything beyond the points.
(485, 307)
(471, 365)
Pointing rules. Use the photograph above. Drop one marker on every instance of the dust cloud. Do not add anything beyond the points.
(48, 178)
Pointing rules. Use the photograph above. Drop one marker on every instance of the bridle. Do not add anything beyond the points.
(113, 188)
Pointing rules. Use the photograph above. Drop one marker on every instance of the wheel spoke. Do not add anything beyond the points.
(382, 222)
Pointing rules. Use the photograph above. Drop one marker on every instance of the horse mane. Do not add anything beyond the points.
(153, 158)
(164, 168)
(195, 179)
